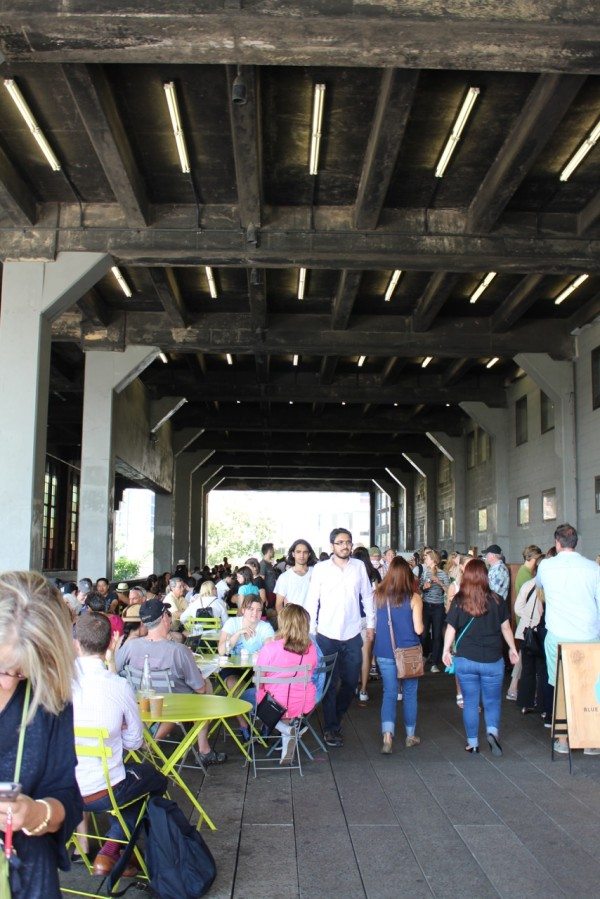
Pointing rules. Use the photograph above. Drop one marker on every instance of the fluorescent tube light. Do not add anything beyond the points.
(361, 361)
(296, 359)
(238, 402)
(483, 286)
(343, 402)
(301, 283)
(163, 357)
(581, 152)
(171, 94)
(317, 123)
(392, 285)
(457, 129)
(569, 290)
(492, 362)
(121, 280)
(426, 361)
(211, 281)
(21, 104)
(229, 358)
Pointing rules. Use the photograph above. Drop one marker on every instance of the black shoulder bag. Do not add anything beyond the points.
(270, 711)
(533, 642)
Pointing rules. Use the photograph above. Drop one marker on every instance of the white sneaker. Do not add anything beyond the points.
(434, 669)
(591, 751)
(561, 747)
(363, 697)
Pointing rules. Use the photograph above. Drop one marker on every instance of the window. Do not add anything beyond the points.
(523, 511)
(49, 524)
(483, 446)
(597, 494)
(547, 412)
(549, 505)
(596, 378)
(482, 520)
(471, 449)
(521, 420)
(73, 519)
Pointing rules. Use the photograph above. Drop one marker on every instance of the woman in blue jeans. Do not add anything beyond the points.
(397, 593)
(478, 620)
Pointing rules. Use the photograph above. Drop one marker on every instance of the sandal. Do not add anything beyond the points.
(460, 701)
(412, 740)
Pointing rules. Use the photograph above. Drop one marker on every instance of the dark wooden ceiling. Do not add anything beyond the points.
(395, 77)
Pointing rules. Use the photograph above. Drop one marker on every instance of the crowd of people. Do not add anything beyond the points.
(61, 654)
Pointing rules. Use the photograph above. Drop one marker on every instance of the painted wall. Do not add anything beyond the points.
(481, 494)
(149, 460)
(588, 443)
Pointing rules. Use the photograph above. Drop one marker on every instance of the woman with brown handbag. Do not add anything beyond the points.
(399, 623)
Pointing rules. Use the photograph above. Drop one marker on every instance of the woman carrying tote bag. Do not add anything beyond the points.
(397, 596)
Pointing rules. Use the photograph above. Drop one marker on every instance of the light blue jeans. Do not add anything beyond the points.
(480, 681)
(389, 676)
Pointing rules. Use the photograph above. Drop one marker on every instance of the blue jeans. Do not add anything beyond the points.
(140, 778)
(346, 673)
(410, 685)
(480, 681)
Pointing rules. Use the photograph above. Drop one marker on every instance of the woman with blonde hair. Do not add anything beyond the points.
(291, 646)
(36, 671)
(453, 589)
(434, 583)
(205, 599)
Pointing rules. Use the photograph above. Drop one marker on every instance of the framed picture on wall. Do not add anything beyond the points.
(549, 505)
(523, 511)
(482, 520)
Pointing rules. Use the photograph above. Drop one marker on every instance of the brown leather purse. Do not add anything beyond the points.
(409, 661)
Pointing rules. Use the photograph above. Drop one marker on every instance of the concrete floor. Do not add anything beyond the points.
(429, 821)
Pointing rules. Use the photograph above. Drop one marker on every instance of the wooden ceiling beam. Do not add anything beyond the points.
(327, 370)
(307, 460)
(344, 299)
(585, 314)
(300, 474)
(392, 370)
(169, 294)
(589, 215)
(98, 111)
(543, 110)
(262, 363)
(458, 369)
(94, 309)
(257, 297)
(245, 442)
(516, 304)
(16, 198)
(272, 482)
(439, 287)
(245, 132)
(394, 101)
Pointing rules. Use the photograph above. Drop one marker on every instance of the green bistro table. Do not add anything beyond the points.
(244, 671)
(194, 709)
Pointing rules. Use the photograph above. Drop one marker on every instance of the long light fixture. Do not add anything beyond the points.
(317, 124)
(295, 359)
(21, 104)
(301, 283)
(171, 94)
(392, 285)
(492, 362)
(457, 129)
(426, 361)
(482, 286)
(211, 281)
(569, 290)
(121, 281)
(163, 357)
(229, 358)
(361, 361)
(581, 152)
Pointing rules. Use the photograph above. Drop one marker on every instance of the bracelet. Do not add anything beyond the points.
(45, 822)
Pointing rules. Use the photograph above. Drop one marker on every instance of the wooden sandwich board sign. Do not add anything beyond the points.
(577, 696)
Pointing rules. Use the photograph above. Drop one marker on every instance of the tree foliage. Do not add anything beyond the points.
(237, 533)
(124, 568)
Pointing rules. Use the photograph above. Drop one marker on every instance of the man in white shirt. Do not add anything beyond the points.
(102, 699)
(336, 589)
(571, 586)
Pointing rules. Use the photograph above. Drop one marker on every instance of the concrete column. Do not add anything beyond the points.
(496, 423)
(33, 293)
(106, 373)
(426, 467)
(454, 448)
(163, 532)
(557, 380)
(185, 465)
(406, 482)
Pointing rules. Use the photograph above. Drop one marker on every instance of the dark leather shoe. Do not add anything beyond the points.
(103, 865)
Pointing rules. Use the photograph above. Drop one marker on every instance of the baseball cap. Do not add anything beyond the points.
(152, 609)
(494, 549)
(132, 613)
(374, 551)
(123, 587)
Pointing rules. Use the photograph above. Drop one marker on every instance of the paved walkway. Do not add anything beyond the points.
(428, 821)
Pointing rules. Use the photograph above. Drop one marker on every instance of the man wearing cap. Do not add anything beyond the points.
(375, 556)
(164, 654)
(498, 574)
(122, 597)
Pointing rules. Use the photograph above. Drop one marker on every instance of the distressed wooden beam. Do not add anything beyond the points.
(394, 101)
(511, 36)
(307, 460)
(94, 309)
(271, 482)
(169, 294)
(392, 370)
(16, 198)
(245, 132)
(327, 370)
(585, 314)
(457, 370)
(545, 107)
(345, 296)
(257, 297)
(300, 474)
(262, 372)
(246, 442)
(519, 300)
(97, 108)
(439, 287)
(589, 215)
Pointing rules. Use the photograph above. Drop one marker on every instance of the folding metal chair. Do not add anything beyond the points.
(89, 743)
(326, 666)
(298, 676)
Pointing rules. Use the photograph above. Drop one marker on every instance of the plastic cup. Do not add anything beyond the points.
(244, 655)
(144, 702)
(156, 705)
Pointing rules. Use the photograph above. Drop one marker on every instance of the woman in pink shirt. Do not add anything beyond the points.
(291, 646)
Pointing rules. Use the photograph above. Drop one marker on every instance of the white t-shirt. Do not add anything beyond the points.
(293, 586)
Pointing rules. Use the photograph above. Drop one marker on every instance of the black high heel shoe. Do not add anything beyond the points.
(494, 745)
(472, 749)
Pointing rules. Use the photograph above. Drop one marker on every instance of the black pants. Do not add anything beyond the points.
(534, 690)
(434, 616)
